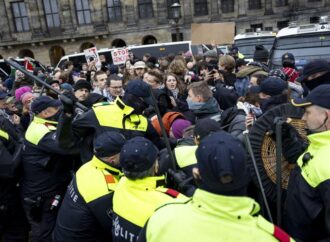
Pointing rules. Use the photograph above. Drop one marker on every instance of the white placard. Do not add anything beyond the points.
(119, 56)
(91, 54)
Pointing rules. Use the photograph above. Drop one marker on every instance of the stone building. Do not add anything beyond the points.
(48, 29)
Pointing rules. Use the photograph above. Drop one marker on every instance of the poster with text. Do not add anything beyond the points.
(119, 56)
(91, 55)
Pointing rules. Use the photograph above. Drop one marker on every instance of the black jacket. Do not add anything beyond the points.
(10, 151)
(103, 117)
(46, 166)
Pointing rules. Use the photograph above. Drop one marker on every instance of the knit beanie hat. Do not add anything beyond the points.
(178, 126)
(278, 73)
(20, 91)
(82, 84)
(260, 54)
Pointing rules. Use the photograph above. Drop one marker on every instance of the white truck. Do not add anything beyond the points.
(246, 42)
(156, 50)
(305, 42)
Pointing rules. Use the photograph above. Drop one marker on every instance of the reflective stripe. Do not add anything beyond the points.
(281, 235)
(185, 155)
(171, 192)
(38, 128)
(112, 115)
(4, 134)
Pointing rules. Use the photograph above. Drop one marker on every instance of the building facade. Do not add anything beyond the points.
(48, 29)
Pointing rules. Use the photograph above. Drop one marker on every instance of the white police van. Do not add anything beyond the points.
(305, 42)
(246, 42)
(156, 50)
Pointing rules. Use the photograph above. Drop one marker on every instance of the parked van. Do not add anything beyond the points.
(246, 42)
(156, 50)
(305, 42)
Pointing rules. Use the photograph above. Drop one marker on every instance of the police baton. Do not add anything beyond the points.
(278, 131)
(249, 148)
(45, 84)
(166, 140)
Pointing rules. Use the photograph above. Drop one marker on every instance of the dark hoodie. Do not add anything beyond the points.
(273, 101)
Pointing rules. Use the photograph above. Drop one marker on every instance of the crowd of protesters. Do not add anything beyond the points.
(101, 171)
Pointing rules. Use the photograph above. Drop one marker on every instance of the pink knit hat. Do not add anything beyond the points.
(20, 91)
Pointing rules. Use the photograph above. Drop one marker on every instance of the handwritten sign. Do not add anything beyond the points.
(91, 54)
(119, 56)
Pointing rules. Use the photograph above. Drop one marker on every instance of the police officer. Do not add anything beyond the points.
(46, 168)
(84, 213)
(13, 223)
(140, 192)
(307, 206)
(123, 115)
(219, 209)
(185, 156)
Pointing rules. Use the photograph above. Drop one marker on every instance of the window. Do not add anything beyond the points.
(254, 4)
(314, 19)
(145, 9)
(83, 12)
(256, 26)
(51, 13)
(169, 10)
(282, 24)
(227, 6)
(20, 16)
(280, 3)
(114, 10)
(201, 7)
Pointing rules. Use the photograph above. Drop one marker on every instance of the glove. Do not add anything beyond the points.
(149, 111)
(293, 145)
(68, 104)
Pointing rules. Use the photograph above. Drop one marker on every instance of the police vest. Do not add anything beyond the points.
(38, 128)
(118, 115)
(185, 155)
(211, 217)
(96, 179)
(85, 214)
(316, 170)
(134, 202)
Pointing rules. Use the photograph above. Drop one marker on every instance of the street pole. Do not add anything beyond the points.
(177, 30)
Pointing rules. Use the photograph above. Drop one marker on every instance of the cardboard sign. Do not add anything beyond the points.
(213, 33)
(91, 54)
(119, 56)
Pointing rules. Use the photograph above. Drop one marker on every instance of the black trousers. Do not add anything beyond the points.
(41, 231)
(13, 223)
